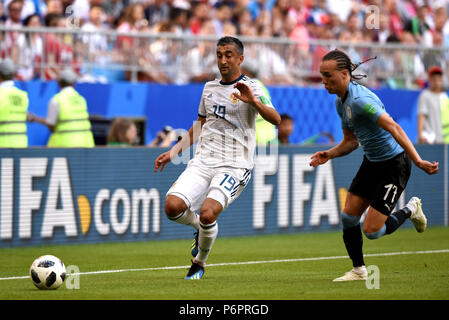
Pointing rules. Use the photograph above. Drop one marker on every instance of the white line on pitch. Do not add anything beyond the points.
(248, 262)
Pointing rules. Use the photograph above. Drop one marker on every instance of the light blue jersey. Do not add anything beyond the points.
(359, 112)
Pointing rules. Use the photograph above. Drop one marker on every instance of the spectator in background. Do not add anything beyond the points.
(299, 33)
(113, 9)
(201, 14)
(223, 15)
(122, 133)
(396, 24)
(381, 35)
(158, 11)
(133, 21)
(272, 68)
(285, 129)
(435, 57)
(13, 21)
(199, 63)
(28, 7)
(67, 116)
(280, 13)
(2, 16)
(433, 110)
(96, 43)
(179, 18)
(298, 11)
(54, 7)
(418, 25)
(342, 8)
(80, 9)
(440, 30)
(229, 29)
(13, 109)
(28, 51)
(442, 23)
(407, 63)
(354, 25)
(160, 57)
(130, 48)
(58, 48)
(243, 20)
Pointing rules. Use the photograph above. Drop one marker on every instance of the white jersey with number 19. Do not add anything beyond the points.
(228, 135)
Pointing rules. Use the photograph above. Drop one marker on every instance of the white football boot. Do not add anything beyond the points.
(357, 273)
(417, 217)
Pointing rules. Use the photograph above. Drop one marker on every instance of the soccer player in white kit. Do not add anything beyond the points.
(221, 167)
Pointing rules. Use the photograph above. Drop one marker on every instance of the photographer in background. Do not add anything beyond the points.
(167, 137)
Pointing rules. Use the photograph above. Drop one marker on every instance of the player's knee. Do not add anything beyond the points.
(207, 216)
(174, 207)
(373, 232)
(349, 221)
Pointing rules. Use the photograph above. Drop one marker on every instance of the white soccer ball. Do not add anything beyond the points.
(47, 272)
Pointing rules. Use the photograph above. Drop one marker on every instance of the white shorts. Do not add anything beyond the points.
(198, 182)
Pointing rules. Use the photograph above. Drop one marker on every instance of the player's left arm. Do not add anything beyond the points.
(387, 123)
(246, 95)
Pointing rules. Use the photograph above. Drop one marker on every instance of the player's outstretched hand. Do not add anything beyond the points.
(31, 117)
(428, 167)
(246, 95)
(161, 161)
(318, 158)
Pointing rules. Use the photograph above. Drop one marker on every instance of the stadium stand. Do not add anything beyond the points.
(166, 41)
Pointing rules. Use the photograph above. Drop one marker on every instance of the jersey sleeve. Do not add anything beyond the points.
(261, 93)
(369, 108)
(339, 108)
(202, 107)
(52, 112)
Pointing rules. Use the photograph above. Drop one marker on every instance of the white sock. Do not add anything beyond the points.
(361, 269)
(188, 218)
(207, 235)
(411, 206)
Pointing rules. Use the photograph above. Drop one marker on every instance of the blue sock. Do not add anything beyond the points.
(396, 219)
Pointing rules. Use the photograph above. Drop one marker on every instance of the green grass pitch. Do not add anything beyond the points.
(411, 275)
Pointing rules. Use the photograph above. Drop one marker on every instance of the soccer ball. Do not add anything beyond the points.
(47, 272)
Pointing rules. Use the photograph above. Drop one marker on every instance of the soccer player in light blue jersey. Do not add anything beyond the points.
(386, 166)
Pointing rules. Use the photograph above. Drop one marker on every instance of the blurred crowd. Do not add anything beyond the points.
(408, 22)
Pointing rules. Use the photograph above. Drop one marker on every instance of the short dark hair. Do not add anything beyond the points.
(285, 116)
(231, 40)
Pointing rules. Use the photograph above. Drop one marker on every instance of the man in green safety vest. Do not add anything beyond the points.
(13, 109)
(67, 116)
(433, 110)
(265, 131)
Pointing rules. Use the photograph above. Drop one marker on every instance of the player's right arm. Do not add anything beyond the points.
(346, 146)
(190, 138)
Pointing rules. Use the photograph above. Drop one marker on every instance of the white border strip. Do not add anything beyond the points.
(250, 262)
